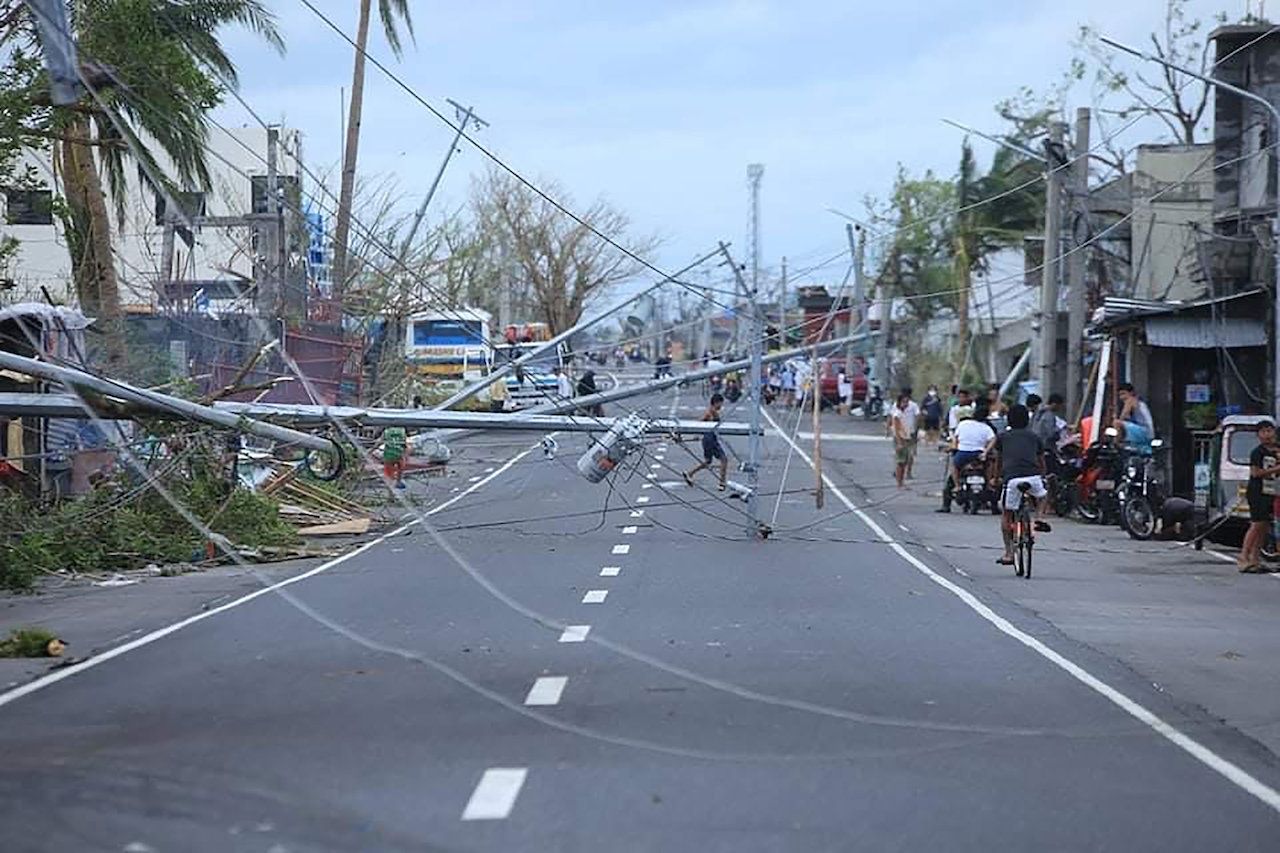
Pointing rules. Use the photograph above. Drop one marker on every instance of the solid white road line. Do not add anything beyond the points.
(575, 633)
(496, 793)
(595, 596)
(643, 499)
(147, 639)
(829, 436)
(621, 549)
(1227, 769)
(1230, 558)
(629, 529)
(546, 690)
(610, 571)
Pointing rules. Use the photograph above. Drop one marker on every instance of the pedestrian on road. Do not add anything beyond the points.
(1264, 467)
(902, 423)
(564, 385)
(711, 447)
(1021, 461)
(931, 408)
(962, 408)
(499, 396)
(587, 387)
(394, 441)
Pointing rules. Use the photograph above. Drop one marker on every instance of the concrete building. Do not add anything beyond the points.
(213, 265)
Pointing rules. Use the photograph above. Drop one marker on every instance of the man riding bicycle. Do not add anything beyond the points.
(1021, 461)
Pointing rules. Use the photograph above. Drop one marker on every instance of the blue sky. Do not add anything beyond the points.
(660, 106)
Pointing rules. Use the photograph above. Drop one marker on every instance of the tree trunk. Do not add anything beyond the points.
(962, 312)
(342, 227)
(92, 261)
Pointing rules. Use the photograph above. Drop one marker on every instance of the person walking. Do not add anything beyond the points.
(712, 449)
(394, 442)
(499, 396)
(902, 424)
(564, 385)
(1264, 467)
(931, 408)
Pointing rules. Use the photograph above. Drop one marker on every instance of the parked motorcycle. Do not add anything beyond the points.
(1096, 500)
(1142, 492)
(873, 407)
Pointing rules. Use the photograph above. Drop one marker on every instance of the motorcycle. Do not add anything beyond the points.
(975, 490)
(1142, 493)
(1096, 500)
(1062, 479)
(873, 407)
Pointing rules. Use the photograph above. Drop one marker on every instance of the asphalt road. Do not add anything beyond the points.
(841, 692)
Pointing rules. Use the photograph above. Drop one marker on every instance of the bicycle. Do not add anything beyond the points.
(1023, 537)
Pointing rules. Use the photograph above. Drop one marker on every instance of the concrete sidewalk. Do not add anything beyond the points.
(1185, 620)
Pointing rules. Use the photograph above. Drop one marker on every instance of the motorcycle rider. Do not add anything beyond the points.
(969, 439)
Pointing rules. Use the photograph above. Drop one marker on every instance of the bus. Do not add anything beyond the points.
(536, 383)
(448, 346)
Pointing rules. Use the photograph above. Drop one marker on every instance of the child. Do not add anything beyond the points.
(711, 447)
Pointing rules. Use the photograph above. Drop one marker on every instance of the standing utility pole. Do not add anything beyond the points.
(755, 172)
(465, 116)
(1049, 271)
(858, 250)
(882, 339)
(782, 306)
(752, 466)
(350, 150)
(1077, 268)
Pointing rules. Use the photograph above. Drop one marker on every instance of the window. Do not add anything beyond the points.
(191, 204)
(288, 183)
(28, 207)
(1240, 445)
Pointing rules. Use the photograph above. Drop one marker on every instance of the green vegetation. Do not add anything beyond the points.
(126, 524)
(30, 643)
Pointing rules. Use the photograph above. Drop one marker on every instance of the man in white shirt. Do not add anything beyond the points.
(962, 409)
(564, 385)
(910, 417)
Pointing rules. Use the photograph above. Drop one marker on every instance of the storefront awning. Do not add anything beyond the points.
(1204, 332)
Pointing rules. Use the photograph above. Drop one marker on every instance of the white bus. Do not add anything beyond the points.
(449, 346)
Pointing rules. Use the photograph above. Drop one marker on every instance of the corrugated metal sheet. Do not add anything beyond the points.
(1205, 333)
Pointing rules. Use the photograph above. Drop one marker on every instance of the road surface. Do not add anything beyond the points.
(568, 666)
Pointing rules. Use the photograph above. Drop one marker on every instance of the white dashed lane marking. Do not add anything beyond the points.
(546, 690)
(610, 571)
(621, 549)
(644, 486)
(643, 499)
(595, 596)
(637, 513)
(629, 529)
(496, 794)
(575, 633)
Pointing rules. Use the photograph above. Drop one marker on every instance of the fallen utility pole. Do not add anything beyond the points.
(500, 372)
(163, 403)
(684, 379)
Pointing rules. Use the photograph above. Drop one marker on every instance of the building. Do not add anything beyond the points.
(212, 265)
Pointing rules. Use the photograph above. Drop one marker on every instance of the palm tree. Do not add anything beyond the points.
(388, 11)
(161, 58)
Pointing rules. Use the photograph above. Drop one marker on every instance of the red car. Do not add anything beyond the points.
(829, 370)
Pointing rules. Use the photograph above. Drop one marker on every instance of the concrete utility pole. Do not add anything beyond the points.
(1077, 267)
(858, 250)
(782, 305)
(465, 116)
(1049, 272)
(882, 338)
(755, 172)
(752, 465)
(268, 295)
(1275, 219)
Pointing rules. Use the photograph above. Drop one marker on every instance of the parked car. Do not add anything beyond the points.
(829, 370)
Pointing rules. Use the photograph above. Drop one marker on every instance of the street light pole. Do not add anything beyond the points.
(1275, 219)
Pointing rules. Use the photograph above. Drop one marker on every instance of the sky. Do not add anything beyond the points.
(658, 107)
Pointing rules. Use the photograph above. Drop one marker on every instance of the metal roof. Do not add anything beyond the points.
(1119, 310)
